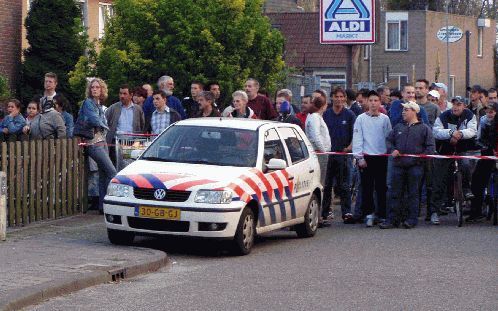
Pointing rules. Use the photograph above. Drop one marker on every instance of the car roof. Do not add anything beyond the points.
(238, 123)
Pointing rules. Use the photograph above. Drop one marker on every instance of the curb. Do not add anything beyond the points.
(41, 292)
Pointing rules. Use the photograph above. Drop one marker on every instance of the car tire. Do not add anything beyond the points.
(245, 235)
(119, 237)
(310, 225)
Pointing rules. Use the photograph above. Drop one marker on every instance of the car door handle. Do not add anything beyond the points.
(290, 178)
(311, 171)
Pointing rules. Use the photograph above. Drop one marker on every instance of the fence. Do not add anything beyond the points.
(45, 179)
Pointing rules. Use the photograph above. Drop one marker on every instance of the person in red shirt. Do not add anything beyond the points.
(259, 104)
(305, 105)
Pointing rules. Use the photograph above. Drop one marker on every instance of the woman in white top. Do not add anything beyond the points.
(315, 128)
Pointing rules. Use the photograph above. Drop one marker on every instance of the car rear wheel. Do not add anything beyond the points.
(246, 233)
(310, 225)
(120, 237)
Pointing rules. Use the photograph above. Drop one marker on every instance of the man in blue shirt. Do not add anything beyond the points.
(395, 112)
(340, 122)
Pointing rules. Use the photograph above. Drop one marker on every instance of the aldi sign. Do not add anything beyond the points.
(347, 21)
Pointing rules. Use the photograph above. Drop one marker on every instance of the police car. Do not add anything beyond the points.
(218, 178)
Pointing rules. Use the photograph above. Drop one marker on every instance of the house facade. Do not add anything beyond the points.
(408, 48)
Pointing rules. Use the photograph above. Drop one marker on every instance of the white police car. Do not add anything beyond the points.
(218, 178)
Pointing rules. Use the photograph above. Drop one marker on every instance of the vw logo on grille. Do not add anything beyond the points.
(159, 194)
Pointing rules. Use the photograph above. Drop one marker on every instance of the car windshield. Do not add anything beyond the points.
(205, 145)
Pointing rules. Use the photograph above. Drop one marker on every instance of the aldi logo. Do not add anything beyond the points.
(347, 21)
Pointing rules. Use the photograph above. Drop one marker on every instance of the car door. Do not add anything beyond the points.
(300, 176)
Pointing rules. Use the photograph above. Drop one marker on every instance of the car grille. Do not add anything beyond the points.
(158, 224)
(171, 195)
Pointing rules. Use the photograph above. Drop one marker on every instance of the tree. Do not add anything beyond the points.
(4, 89)
(223, 40)
(56, 41)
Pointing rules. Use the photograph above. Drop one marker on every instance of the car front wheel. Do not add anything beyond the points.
(246, 233)
(310, 225)
(120, 237)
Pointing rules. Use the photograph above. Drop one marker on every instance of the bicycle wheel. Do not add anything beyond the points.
(458, 196)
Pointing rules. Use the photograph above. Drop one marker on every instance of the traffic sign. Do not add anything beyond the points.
(347, 21)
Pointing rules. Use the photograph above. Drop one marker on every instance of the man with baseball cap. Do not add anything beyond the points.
(443, 103)
(409, 137)
(455, 132)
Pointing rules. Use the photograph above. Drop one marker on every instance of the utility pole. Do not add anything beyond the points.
(448, 43)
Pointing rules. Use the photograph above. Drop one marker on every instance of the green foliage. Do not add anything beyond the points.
(4, 89)
(56, 37)
(223, 40)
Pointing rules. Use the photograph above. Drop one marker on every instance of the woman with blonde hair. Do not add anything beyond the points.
(91, 126)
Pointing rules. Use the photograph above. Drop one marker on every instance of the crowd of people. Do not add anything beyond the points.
(359, 128)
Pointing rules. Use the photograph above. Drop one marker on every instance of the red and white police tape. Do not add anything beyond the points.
(424, 156)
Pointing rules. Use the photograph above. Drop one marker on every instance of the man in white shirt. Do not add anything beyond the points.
(369, 144)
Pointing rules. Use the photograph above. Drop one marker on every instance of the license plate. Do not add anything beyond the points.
(159, 212)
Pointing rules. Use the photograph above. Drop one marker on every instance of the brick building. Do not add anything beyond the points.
(413, 50)
(10, 38)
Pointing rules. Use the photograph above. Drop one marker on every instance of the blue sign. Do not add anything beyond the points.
(347, 21)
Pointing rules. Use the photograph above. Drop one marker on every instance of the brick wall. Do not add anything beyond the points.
(427, 53)
(401, 62)
(280, 6)
(10, 38)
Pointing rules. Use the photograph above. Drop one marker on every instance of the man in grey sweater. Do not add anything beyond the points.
(409, 137)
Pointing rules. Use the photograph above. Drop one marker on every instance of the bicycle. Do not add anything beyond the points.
(458, 195)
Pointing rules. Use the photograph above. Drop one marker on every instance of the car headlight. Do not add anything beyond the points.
(213, 196)
(119, 190)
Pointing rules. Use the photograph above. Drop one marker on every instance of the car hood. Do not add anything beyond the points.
(178, 176)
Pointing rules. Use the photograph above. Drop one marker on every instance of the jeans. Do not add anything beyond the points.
(373, 178)
(480, 180)
(338, 167)
(357, 206)
(442, 176)
(405, 179)
(100, 154)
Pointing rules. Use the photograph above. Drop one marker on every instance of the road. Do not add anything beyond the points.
(344, 267)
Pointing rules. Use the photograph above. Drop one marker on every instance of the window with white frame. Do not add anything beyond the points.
(396, 31)
(82, 6)
(400, 78)
(451, 90)
(479, 41)
(366, 52)
(105, 13)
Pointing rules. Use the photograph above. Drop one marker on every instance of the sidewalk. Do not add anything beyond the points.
(62, 256)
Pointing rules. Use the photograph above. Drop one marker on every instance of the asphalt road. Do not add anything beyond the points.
(344, 267)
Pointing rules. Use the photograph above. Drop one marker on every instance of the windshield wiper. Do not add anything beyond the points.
(157, 159)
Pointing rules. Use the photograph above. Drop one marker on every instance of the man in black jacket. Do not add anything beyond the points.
(408, 137)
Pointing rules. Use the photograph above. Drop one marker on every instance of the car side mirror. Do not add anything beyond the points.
(276, 164)
(135, 154)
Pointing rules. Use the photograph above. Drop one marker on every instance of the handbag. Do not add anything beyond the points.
(81, 129)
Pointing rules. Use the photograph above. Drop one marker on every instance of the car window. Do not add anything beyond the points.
(295, 144)
(273, 146)
(205, 145)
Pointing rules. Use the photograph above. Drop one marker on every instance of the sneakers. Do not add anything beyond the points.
(370, 220)
(348, 219)
(408, 225)
(468, 194)
(386, 225)
(475, 219)
(434, 219)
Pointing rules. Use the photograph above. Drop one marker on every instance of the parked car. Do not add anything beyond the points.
(218, 178)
